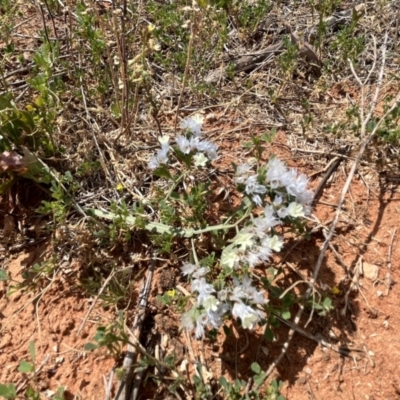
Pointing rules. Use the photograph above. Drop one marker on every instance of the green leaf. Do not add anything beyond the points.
(286, 314)
(224, 383)
(32, 351)
(31, 394)
(116, 110)
(25, 367)
(59, 394)
(90, 346)
(255, 367)
(328, 303)
(258, 379)
(162, 172)
(269, 335)
(3, 275)
(8, 391)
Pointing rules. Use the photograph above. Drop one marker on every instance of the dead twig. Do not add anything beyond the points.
(124, 390)
(388, 279)
(95, 301)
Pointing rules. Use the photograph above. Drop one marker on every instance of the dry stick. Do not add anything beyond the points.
(388, 279)
(45, 26)
(95, 301)
(187, 66)
(121, 49)
(109, 385)
(124, 389)
(331, 232)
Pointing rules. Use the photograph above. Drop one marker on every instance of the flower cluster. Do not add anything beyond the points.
(190, 144)
(290, 200)
(285, 183)
(253, 244)
(241, 301)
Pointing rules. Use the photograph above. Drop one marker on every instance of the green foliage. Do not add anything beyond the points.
(389, 130)
(171, 33)
(32, 392)
(322, 304)
(256, 143)
(87, 28)
(33, 278)
(347, 44)
(236, 390)
(3, 275)
(112, 337)
(17, 127)
(321, 9)
(288, 59)
(8, 391)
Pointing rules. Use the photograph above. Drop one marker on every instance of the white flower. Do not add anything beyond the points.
(160, 158)
(253, 187)
(210, 303)
(187, 321)
(229, 258)
(188, 269)
(222, 294)
(153, 163)
(247, 315)
(288, 177)
(194, 142)
(183, 144)
(164, 141)
(242, 172)
(276, 169)
(206, 146)
(274, 243)
(209, 148)
(295, 210)
(252, 259)
(200, 272)
(263, 225)
(264, 251)
(243, 240)
(215, 317)
(245, 290)
(200, 160)
(305, 198)
(202, 287)
(243, 169)
(283, 212)
(257, 199)
(278, 200)
(193, 123)
(212, 155)
(201, 321)
(298, 185)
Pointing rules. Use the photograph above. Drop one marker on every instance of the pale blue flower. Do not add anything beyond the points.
(183, 144)
(193, 123)
(189, 269)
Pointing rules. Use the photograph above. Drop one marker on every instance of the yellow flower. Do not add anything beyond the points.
(171, 293)
(120, 186)
(335, 290)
